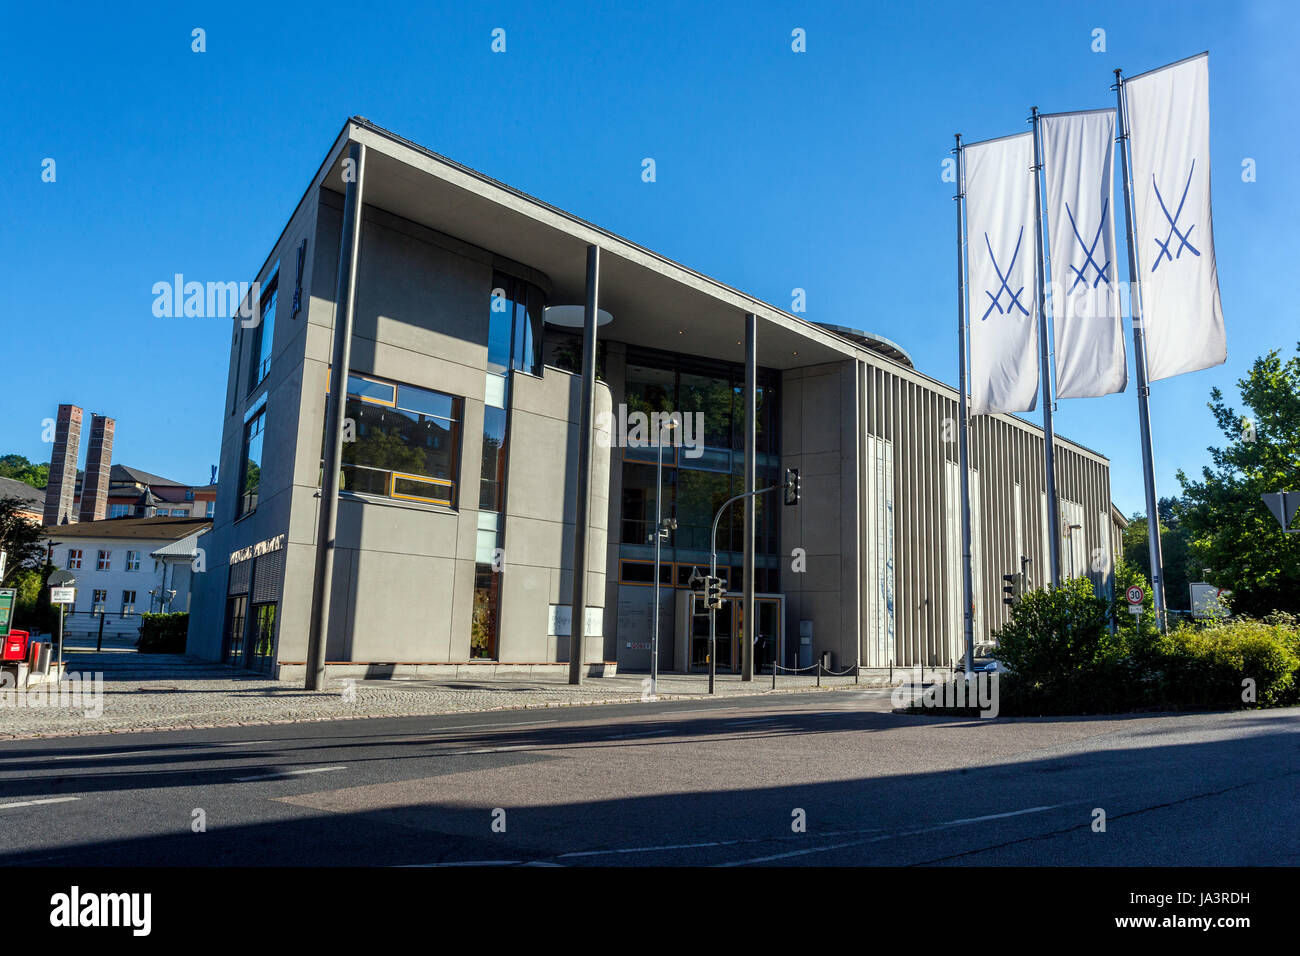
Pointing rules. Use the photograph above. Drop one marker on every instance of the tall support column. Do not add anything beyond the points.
(1140, 366)
(751, 482)
(1045, 371)
(963, 412)
(344, 298)
(582, 486)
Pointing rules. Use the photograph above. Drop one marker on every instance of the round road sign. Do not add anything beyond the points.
(1135, 595)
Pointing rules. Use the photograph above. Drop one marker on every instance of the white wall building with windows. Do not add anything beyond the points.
(126, 567)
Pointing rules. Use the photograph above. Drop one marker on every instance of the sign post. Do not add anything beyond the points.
(1135, 596)
(8, 596)
(63, 592)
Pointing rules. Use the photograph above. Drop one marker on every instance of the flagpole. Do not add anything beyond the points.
(963, 451)
(1045, 371)
(1140, 363)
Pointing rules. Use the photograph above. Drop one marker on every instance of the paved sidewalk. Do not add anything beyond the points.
(165, 691)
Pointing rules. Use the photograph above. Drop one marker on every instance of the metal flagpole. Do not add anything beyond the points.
(963, 451)
(1045, 372)
(1140, 364)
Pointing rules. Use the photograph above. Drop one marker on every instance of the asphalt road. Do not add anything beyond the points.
(804, 779)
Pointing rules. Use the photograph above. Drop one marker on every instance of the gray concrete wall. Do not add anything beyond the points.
(539, 518)
(819, 436)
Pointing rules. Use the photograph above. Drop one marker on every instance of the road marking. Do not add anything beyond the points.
(240, 743)
(123, 753)
(752, 720)
(531, 723)
(36, 803)
(288, 773)
(887, 836)
(647, 733)
(466, 863)
(649, 849)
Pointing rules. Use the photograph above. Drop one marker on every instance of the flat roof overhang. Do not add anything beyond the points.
(656, 303)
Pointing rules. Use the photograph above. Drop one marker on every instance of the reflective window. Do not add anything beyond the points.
(515, 325)
(263, 336)
(400, 441)
(250, 468)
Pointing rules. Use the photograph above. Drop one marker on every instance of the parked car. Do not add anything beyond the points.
(983, 661)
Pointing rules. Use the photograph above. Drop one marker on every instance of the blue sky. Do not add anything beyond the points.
(776, 170)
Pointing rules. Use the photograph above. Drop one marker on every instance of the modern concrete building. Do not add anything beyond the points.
(461, 471)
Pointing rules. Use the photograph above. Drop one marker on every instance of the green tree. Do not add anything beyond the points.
(1229, 529)
(1175, 549)
(22, 541)
(20, 469)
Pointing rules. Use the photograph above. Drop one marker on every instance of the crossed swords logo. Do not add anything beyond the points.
(995, 300)
(1183, 241)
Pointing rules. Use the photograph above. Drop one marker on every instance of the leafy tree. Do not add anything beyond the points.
(1175, 548)
(22, 541)
(1229, 529)
(20, 469)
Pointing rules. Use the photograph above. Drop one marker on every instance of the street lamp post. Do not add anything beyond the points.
(660, 533)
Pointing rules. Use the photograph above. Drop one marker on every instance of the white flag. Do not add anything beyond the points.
(1001, 254)
(1169, 133)
(1078, 152)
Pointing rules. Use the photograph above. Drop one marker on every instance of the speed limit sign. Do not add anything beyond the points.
(1135, 595)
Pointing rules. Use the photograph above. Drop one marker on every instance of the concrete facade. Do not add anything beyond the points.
(868, 561)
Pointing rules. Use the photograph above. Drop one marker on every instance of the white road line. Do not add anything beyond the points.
(531, 723)
(123, 753)
(648, 849)
(887, 836)
(466, 863)
(647, 733)
(288, 773)
(36, 803)
(752, 720)
(241, 743)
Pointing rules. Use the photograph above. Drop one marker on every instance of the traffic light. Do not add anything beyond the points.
(713, 592)
(792, 486)
(1013, 589)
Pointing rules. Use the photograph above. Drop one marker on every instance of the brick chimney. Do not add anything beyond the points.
(63, 467)
(99, 459)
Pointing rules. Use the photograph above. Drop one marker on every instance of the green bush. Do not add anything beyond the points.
(1207, 665)
(1064, 658)
(163, 633)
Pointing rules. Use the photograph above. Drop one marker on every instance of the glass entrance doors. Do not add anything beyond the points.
(730, 623)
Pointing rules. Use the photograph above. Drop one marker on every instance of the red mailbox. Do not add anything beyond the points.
(15, 646)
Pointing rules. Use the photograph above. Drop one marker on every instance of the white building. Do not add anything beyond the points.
(126, 567)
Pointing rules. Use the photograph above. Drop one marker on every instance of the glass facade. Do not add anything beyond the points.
(250, 468)
(400, 441)
(259, 362)
(697, 480)
(515, 325)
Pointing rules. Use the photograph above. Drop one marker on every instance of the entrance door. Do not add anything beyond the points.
(236, 612)
(766, 633)
(700, 638)
(262, 642)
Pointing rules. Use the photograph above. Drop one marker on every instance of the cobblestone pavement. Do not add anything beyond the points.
(164, 691)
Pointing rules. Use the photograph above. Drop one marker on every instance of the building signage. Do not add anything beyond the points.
(257, 550)
(7, 597)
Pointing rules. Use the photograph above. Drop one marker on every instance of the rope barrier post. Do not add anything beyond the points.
(774, 666)
(857, 671)
(819, 672)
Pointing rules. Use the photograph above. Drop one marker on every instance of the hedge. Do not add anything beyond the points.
(163, 633)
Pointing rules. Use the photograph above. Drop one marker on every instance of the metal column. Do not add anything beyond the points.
(1140, 365)
(1045, 372)
(963, 440)
(582, 490)
(345, 298)
(751, 482)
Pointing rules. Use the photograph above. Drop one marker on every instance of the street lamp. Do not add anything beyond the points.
(662, 528)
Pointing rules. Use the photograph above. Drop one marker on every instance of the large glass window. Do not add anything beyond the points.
(400, 441)
(493, 473)
(263, 335)
(250, 469)
(483, 626)
(515, 325)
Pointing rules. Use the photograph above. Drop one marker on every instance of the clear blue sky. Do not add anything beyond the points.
(775, 170)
